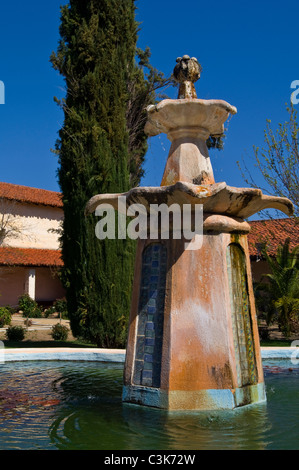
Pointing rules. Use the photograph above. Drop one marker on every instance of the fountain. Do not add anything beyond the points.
(193, 340)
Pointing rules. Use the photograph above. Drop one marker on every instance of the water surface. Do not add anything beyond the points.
(77, 405)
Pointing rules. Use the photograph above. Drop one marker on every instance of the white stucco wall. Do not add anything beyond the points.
(31, 225)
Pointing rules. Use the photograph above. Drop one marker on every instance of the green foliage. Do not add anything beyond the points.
(49, 311)
(26, 303)
(60, 306)
(5, 316)
(278, 162)
(11, 309)
(15, 333)
(278, 293)
(29, 307)
(59, 332)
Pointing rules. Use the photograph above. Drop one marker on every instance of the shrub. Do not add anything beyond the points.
(11, 310)
(29, 307)
(5, 317)
(59, 332)
(50, 311)
(26, 303)
(15, 333)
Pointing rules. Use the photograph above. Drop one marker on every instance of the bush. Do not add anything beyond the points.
(59, 332)
(15, 333)
(5, 317)
(29, 307)
(49, 311)
(11, 310)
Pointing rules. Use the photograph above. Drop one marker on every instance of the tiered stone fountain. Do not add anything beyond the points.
(193, 340)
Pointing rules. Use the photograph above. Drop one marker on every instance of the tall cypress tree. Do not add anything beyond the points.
(96, 56)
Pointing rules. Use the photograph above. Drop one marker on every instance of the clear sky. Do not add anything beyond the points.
(249, 52)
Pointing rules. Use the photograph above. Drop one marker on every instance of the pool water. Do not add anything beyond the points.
(77, 405)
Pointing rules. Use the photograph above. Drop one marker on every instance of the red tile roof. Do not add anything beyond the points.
(30, 195)
(10, 256)
(272, 233)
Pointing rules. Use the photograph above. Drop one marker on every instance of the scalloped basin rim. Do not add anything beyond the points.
(188, 113)
(192, 102)
(216, 198)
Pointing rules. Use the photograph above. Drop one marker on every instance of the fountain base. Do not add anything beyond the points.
(217, 399)
(193, 339)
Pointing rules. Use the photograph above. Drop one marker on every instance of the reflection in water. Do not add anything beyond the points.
(67, 405)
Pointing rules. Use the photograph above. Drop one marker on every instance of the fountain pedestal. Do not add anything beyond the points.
(193, 340)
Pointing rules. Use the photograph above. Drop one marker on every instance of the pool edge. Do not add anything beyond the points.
(108, 355)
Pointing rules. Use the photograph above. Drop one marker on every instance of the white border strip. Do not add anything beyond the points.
(279, 353)
(108, 355)
(64, 354)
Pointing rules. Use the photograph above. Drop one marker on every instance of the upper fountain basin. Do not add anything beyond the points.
(194, 114)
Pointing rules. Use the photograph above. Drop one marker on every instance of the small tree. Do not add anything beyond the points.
(278, 292)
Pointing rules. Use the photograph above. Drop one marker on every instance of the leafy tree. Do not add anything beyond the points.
(278, 292)
(97, 154)
(278, 162)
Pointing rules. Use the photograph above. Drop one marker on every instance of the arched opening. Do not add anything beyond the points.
(241, 317)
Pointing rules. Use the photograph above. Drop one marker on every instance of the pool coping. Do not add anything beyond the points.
(63, 354)
(109, 355)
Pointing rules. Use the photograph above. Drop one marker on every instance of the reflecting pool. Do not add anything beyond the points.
(77, 405)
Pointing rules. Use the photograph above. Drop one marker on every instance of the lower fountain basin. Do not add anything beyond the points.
(77, 406)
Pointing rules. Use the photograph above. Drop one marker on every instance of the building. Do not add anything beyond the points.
(30, 258)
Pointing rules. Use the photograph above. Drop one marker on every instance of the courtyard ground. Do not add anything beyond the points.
(39, 334)
(39, 331)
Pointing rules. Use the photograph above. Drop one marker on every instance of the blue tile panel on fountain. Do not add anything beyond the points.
(147, 367)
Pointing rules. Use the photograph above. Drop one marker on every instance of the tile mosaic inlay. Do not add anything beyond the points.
(242, 331)
(147, 369)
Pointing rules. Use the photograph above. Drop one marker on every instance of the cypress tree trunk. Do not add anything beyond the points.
(96, 55)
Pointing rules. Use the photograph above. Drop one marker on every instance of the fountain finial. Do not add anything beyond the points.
(186, 73)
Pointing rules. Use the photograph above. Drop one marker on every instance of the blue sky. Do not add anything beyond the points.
(248, 50)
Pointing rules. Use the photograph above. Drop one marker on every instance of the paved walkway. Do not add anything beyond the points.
(37, 323)
(107, 355)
